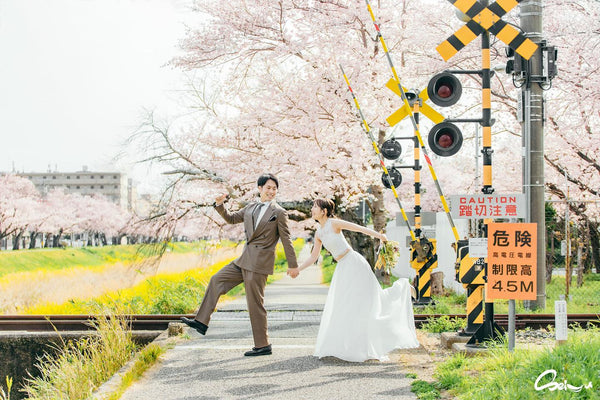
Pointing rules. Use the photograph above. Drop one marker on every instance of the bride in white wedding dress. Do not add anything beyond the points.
(360, 321)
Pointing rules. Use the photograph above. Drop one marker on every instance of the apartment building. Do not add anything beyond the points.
(113, 185)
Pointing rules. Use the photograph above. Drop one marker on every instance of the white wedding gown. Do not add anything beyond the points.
(362, 321)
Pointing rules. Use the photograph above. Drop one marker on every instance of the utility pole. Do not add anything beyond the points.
(533, 139)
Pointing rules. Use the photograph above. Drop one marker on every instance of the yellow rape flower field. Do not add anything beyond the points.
(49, 288)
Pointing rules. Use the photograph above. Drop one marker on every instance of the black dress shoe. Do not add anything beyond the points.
(197, 325)
(259, 351)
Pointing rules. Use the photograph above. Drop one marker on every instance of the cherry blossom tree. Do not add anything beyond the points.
(273, 99)
(268, 95)
(60, 209)
(16, 195)
(24, 215)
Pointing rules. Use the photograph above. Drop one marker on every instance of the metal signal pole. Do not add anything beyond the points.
(533, 140)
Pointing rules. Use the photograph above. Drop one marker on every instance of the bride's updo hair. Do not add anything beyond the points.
(327, 205)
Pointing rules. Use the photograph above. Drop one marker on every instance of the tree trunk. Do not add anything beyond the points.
(17, 241)
(48, 240)
(595, 245)
(56, 238)
(579, 266)
(32, 239)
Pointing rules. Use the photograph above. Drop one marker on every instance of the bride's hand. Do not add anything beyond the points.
(383, 238)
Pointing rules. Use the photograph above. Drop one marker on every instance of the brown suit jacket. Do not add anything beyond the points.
(259, 252)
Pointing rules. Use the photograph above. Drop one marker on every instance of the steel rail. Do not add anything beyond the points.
(66, 323)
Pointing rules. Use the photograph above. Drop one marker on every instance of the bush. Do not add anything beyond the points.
(81, 367)
(443, 324)
(424, 390)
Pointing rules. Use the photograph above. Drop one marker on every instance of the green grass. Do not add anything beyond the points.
(328, 267)
(424, 390)
(449, 303)
(6, 395)
(443, 324)
(56, 259)
(583, 300)
(501, 374)
(145, 359)
(80, 367)
(178, 293)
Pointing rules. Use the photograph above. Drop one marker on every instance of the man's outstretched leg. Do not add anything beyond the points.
(222, 282)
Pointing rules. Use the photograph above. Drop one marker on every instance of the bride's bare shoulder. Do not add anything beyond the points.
(336, 224)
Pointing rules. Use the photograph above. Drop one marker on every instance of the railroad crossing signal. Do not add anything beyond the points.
(444, 89)
(403, 111)
(486, 19)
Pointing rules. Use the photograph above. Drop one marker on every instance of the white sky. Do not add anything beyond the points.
(75, 76)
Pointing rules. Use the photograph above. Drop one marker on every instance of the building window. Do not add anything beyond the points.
(92, 177)
(101, 176)
(116, 186)
(68, 177)
(114, 177)
(68, 187)
(77, 187)
(101, 186)
(77, 177)
(43, 177)
(91, 187)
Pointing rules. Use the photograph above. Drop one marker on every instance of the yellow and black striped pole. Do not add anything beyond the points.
(424, 264)
(489, 330)
(379, 155)
(470, 273)
(486, 115)
(417, 168)
(417, 133)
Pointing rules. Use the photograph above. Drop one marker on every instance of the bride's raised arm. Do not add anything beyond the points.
(314, 255)
(339, 224)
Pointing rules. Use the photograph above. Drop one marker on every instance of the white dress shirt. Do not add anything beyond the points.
(263, 209)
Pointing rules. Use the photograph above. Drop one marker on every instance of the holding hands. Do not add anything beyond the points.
(293, 272)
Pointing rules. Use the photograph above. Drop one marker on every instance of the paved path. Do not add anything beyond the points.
(214, 367)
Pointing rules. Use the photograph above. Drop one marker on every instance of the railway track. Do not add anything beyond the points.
(65, 323)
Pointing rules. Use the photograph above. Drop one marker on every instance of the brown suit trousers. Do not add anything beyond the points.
(226, 279)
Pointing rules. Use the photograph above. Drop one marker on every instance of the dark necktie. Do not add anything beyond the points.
(256, 213)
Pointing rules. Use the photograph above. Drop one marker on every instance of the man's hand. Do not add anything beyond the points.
(293, 272)
(221, 199)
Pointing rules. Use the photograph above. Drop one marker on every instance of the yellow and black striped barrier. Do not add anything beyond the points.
(367, 129)
(406, 107)
(470, 272)
(424, 259)
(474, 309)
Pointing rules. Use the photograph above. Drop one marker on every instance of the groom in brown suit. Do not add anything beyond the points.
(265, 222)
